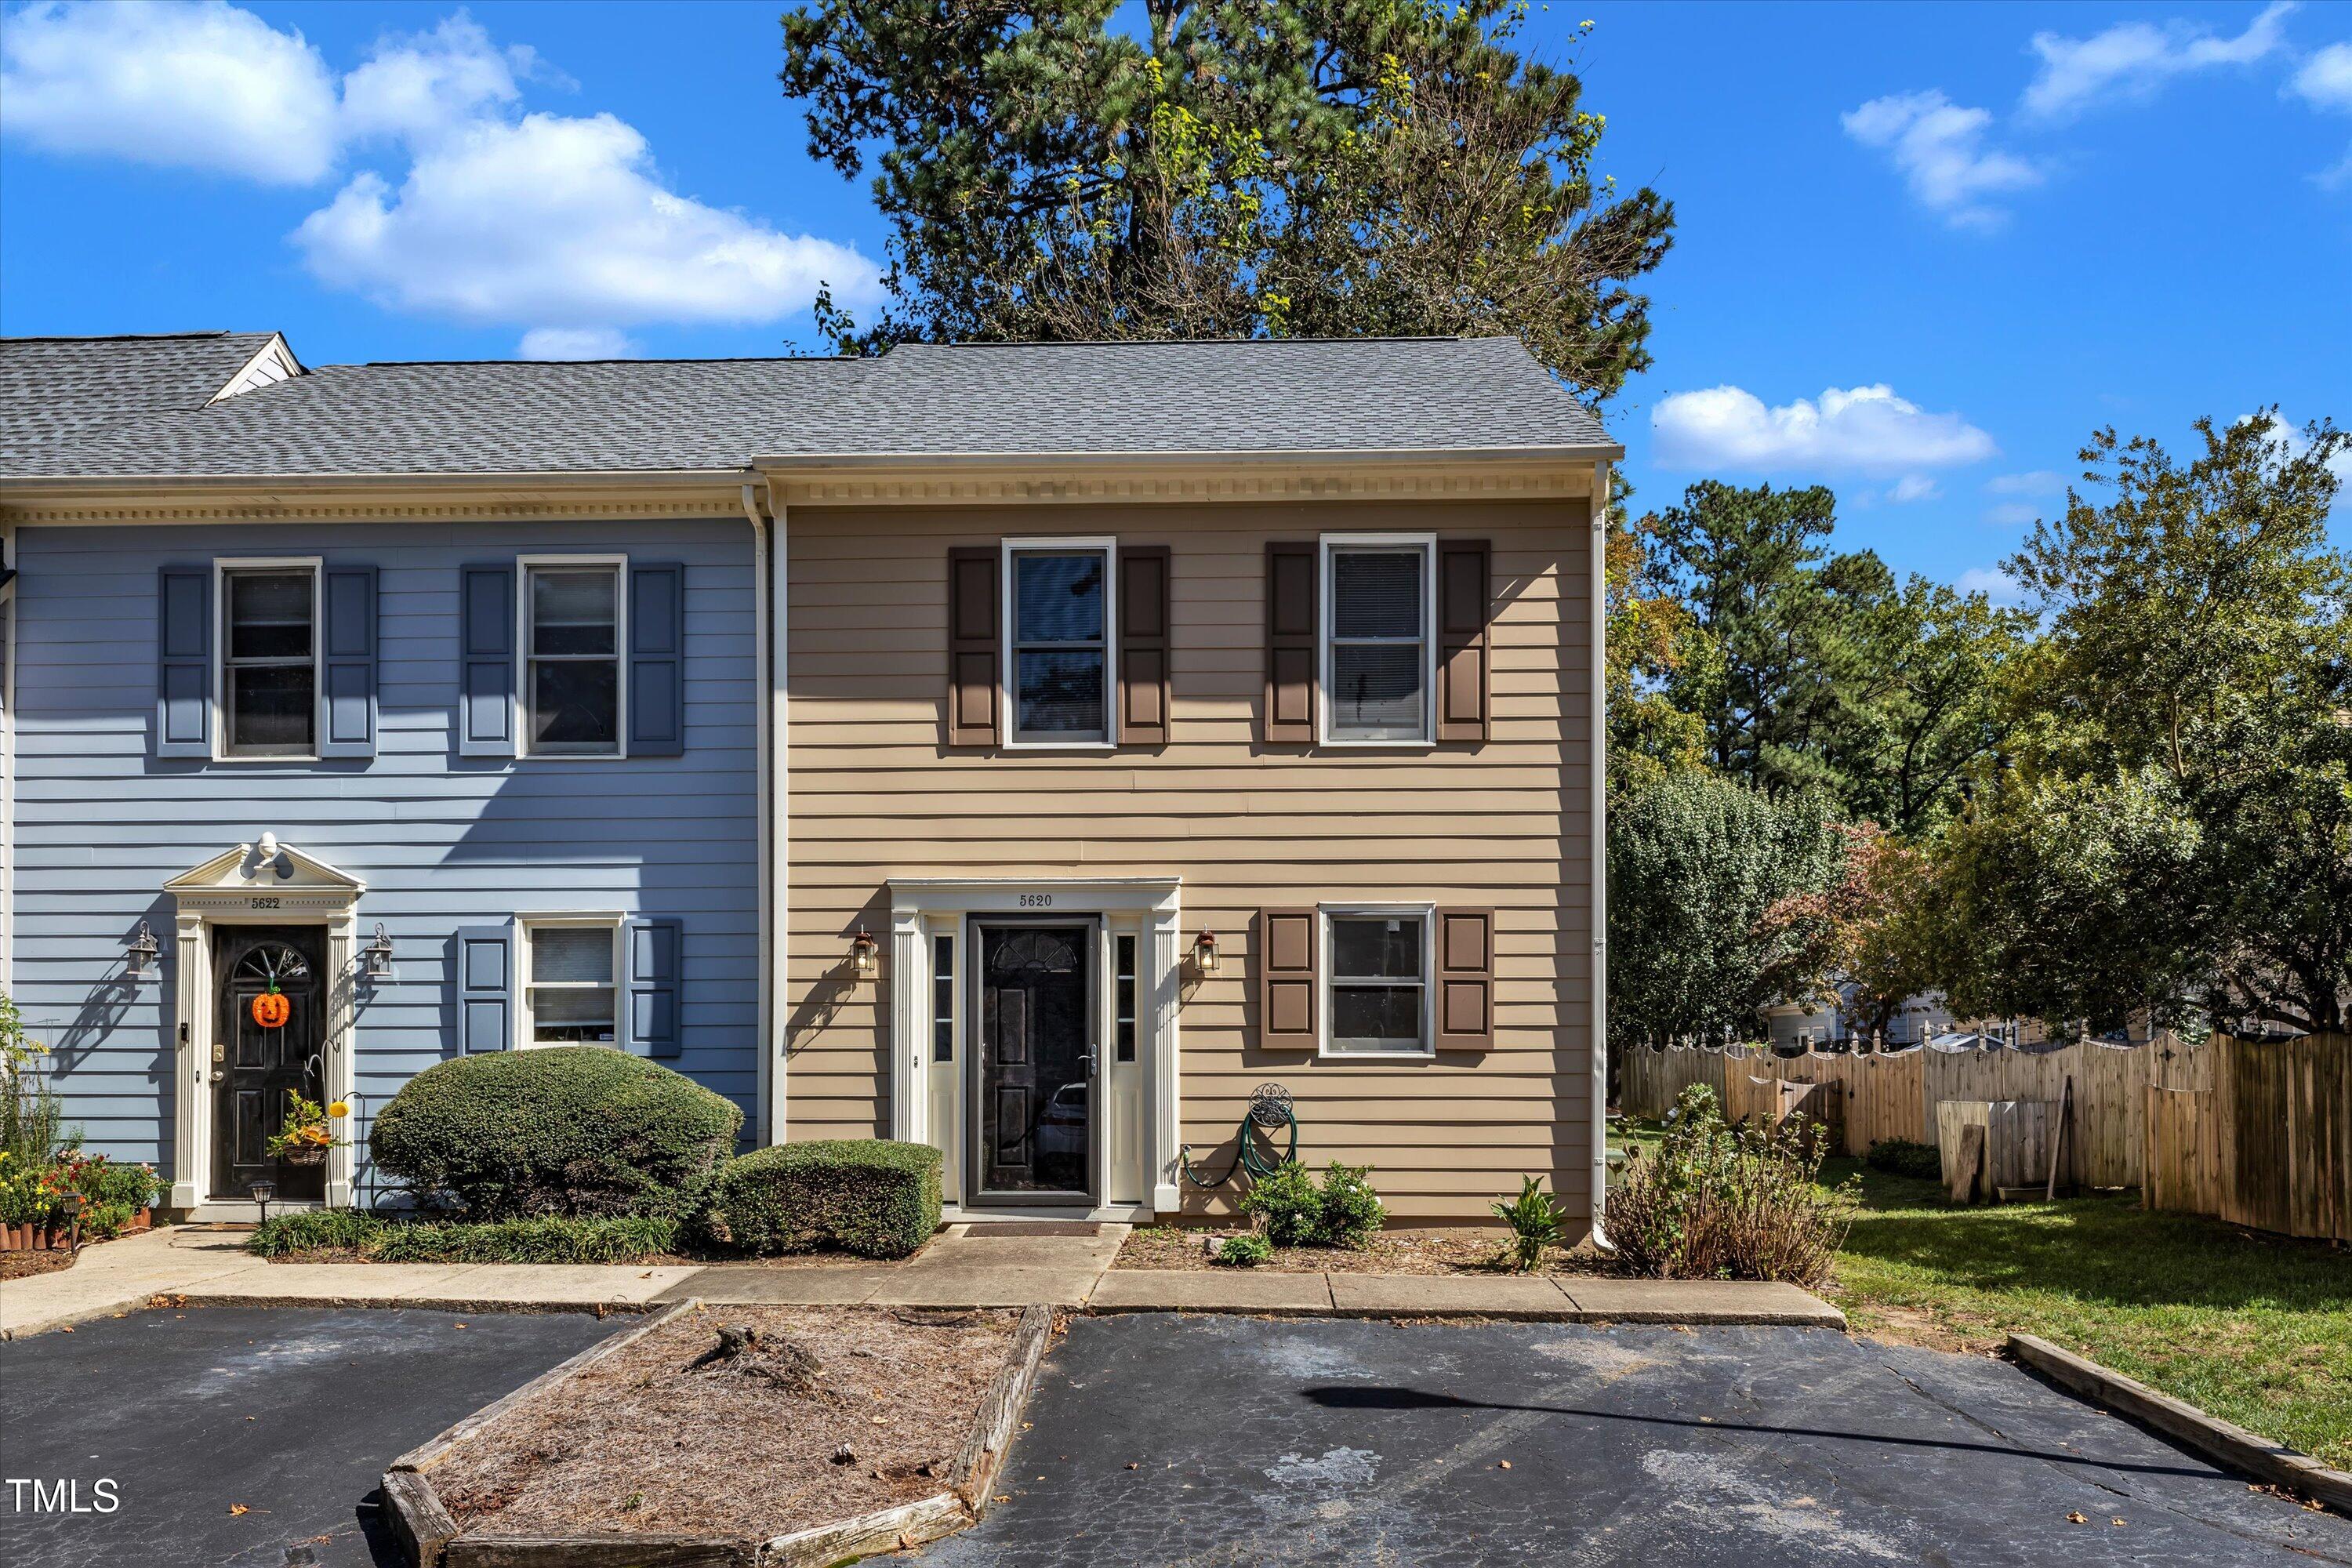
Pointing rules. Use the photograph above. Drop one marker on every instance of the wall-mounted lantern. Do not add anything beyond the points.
(864, 953)
(1204, 952)
(141, 953)
(377, 954)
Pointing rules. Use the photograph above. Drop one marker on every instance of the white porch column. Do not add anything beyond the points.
(1164, 1111)
(192, 1063)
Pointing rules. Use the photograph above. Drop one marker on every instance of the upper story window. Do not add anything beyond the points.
(570, 971)
(270, 668)
(1059, 628)
(1376, 663)
(1379, 979)
(573, 639)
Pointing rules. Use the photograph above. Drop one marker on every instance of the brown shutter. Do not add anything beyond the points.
(1285, 955)
(1465, 980)
(1290, 636)
(1143, 645)
(1464, 680)
(973, 600)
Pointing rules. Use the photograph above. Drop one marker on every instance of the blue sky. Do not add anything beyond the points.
(1922, 250)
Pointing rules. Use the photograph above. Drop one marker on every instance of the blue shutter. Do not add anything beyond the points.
(486, 679)
(656, 661)
(654, 949)
(184, 677)
(347, 694)
(483, 969)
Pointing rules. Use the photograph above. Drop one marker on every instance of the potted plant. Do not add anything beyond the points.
(307, 1132)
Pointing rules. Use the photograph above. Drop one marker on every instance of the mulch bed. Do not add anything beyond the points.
(24, 1264)
(1391, 1252)
(830, 1412)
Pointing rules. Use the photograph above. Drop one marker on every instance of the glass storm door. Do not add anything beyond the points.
(256, 1070)
(1032, 1103)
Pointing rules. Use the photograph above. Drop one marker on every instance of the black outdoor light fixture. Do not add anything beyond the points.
(69, 1206)
(262, 1192)
(141, 953)
(863, 952)
(1204, 952)
(377, 954)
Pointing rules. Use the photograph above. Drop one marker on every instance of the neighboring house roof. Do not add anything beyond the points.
(112, 407)
(58, 394)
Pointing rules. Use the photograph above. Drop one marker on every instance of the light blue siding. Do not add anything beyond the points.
(443, 841)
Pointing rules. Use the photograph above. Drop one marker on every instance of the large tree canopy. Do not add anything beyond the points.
(1239, 169)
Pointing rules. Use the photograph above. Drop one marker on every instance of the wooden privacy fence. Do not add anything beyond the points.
(2257, 1131)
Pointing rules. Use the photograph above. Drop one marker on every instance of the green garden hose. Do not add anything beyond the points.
(1269, 1108)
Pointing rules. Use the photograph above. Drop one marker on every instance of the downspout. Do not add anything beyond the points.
(761, 1128)
(1599, 857)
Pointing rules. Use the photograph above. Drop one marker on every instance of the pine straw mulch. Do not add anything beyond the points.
(24, 1264)
(646, 1442)
(1454, 1251)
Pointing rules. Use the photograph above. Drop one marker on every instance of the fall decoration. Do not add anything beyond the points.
(270, 1009)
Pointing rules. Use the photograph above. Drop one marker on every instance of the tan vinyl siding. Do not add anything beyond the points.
(1502, 824)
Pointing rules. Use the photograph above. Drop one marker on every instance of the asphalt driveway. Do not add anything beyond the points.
(1162, 1440)
(289, 1413)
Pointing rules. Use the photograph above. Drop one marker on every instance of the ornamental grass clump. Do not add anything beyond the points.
(1717, 1202)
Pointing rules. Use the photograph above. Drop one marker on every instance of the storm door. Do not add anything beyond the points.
(1034, 1075)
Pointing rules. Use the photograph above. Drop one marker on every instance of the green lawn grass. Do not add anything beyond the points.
(2253, 1327)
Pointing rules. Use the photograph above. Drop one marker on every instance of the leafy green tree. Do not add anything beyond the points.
(1243, 168)
(2178, 831)
(1695, 861)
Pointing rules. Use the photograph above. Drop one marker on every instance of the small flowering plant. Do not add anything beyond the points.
(307, 1132)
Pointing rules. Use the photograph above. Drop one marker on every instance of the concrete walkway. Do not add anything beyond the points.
(961, 1267)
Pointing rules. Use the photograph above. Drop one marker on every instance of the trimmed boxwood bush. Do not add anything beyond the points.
(870, 1196)
(572, 1130)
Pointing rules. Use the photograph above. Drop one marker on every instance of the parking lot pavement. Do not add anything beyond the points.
(1161, 1440)
(231, 1434)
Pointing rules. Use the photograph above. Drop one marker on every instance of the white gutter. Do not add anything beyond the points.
(1371, 457)
(767, 1009)
(1599, 784)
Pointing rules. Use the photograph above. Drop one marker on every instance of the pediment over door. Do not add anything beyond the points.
(265, 870)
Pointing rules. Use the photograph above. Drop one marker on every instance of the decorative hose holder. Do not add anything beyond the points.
(1269, 1109)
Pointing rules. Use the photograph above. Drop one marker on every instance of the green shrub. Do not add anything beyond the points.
(627, 1238)
(1733, 1203)
(1902, 1157)
(572, 1130)
(1244, 1251)
(1291, 1204)
(1537, 1221)
(870, 1196)
(315, 1230)
(1343, 1212)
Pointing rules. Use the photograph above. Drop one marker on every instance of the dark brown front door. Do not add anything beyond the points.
(255, 1069)
(1034, 1097)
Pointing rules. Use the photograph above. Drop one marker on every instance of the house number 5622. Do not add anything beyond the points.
(1036, 900)
(265, 903)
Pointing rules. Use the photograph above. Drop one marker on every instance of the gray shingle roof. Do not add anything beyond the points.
(1356, 395)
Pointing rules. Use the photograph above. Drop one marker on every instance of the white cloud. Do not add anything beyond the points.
(2132, 59)
(423, 86)
(2011, 514)
(577, 342)
(190, 86)
(560, 222)
(1864, 429)
(1994, 583)
(2326, 78)
(1938, 147)
(1912, 487)
(2033, 482)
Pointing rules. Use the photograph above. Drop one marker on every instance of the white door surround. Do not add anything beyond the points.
(262, 883)
(927, 1097)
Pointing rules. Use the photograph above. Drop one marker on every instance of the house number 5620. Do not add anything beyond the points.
(1036, 900)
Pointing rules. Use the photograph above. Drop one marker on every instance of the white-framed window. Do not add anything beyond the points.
(266, 674)
(1379, 656)
(1061, 642)
(571, 980)
(573, 629)
(1376, 963)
